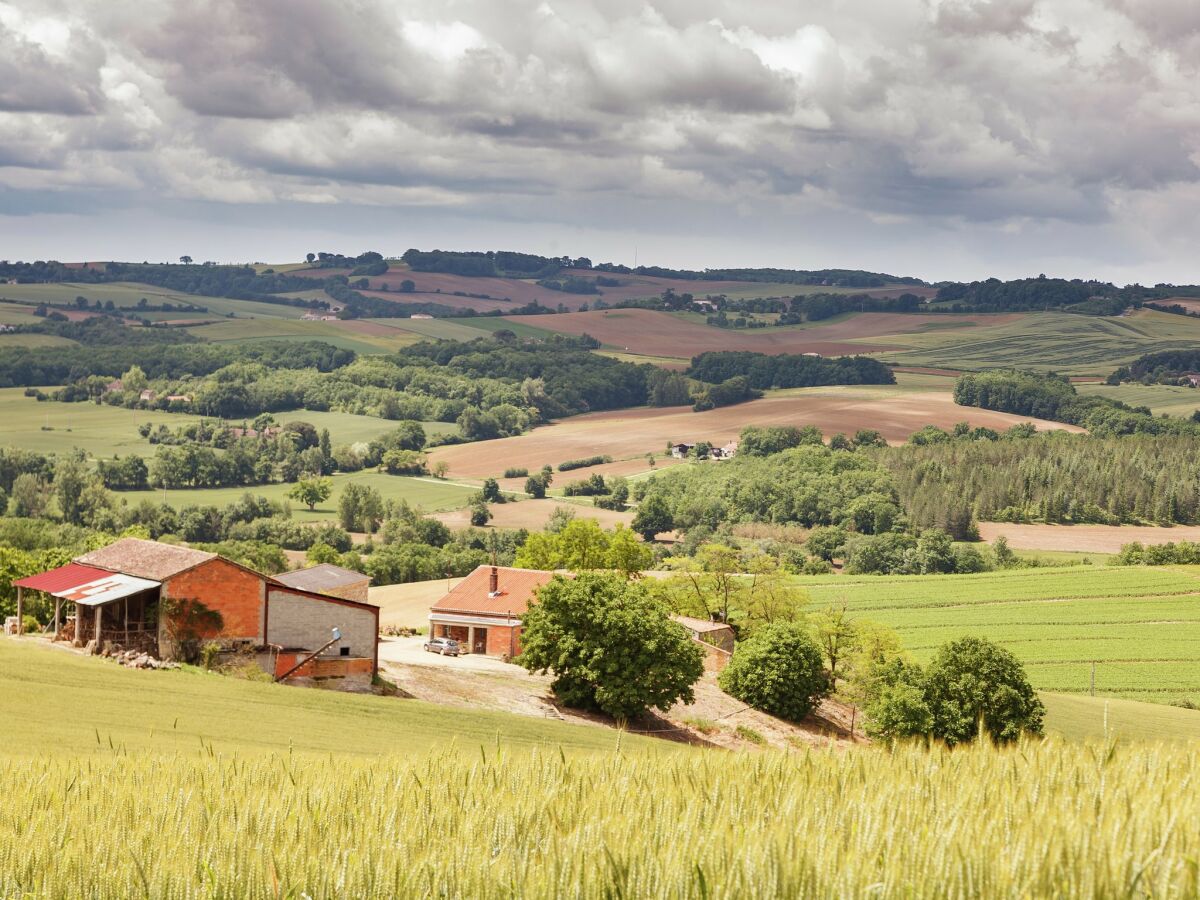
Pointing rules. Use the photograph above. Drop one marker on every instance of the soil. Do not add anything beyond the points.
(627, 435)
(1084, 538)
(711, 720)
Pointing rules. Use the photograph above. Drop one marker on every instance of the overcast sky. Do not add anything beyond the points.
(938, 138)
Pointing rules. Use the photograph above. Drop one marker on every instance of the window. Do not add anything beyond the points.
(345, 651)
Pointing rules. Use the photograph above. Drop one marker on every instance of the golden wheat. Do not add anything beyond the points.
(1040, 819)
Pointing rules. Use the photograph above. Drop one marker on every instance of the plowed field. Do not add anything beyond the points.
(650, 333)
(630, 434)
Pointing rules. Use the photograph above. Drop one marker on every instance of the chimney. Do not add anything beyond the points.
(494, 588)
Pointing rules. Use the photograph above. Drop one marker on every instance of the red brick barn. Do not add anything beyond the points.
(483, 611)
(118, 593)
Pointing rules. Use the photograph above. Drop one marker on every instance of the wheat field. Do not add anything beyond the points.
(1040, 819)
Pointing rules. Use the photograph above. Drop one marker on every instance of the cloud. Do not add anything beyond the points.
(937, 116)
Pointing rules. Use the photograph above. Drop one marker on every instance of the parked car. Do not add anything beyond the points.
(444, 646)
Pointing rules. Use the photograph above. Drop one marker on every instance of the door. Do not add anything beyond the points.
(480, 645)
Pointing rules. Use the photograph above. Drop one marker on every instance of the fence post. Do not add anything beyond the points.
(1093, 678)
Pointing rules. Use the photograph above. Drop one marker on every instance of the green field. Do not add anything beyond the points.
(494, 323)
(34, 341)
(1067, 343)
(241, 331)
(1140, 625)
(436, 329)
(104, 431)
(1079, 717)
(11, 314)
(427, 494)
(56, 702)
(1161, 398)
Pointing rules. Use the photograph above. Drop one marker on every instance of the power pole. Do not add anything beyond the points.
(1093, 678)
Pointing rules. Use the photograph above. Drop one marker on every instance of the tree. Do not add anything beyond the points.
(310, 258)
(480, 514)
(71, 477)
(627, 554)
(610, 645)
(407, 286)
(535, 486)
(778, 670)
(440, 468)
(837, 635)
(360, 508)
(491, 491)
(653, 517)
(971, 686)
(186, 260)
(311, 491)
(134, 379)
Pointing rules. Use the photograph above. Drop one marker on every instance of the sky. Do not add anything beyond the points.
(947, 139)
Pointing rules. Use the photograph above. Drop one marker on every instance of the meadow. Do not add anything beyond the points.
(58, 703)
(426, 494)
(105, 431)
(1064, 342)
(1141, 626)
(486, 820)
(1161, 398)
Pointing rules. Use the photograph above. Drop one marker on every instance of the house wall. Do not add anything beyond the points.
(237, 594)
(501, 640)
(299, 620)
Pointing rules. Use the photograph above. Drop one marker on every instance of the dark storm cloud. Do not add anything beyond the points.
(937, 113)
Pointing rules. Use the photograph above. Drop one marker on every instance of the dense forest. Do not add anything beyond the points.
(1050, 396)
(1051, 477)
(1164, 367)
(788, 370)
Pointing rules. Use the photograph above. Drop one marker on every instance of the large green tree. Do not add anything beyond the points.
(610, 646)
(778, 670)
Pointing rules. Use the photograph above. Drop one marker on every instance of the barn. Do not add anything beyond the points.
(135, 593)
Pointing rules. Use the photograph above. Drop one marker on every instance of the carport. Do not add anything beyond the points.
(125, 608)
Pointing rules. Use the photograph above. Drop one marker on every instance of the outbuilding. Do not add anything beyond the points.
(127, 592)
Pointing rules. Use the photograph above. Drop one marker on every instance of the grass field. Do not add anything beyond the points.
(516, 324)
(105, 431)
(426, 494)
(1161, 398)
(340, 334)
(1064, 342)
(34, 341)
(1140, 625)
(1079, 717)
(58, 703)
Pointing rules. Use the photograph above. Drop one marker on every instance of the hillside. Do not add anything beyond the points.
(56, 702)
(1140, 625)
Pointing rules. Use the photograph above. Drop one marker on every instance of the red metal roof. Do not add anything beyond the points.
(72, 575)
(473, 594)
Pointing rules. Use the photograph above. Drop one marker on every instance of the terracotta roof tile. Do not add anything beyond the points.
(145, 559)
(517, 588)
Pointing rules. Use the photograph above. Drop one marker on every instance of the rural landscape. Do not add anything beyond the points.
(595, 450)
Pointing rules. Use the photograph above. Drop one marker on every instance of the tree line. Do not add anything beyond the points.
(788, 370)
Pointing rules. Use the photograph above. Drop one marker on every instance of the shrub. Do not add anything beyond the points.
(570, 464)
(779, 670)
(515, 473)
(746, 733)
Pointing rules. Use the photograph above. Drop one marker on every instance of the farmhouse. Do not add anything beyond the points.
(681, 450)
(483, 611)
(728, 451)
(139, 594)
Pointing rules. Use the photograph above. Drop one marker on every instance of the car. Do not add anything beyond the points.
(444, 646)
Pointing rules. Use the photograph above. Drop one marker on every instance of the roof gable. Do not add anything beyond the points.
(516, 590)
(145, 559)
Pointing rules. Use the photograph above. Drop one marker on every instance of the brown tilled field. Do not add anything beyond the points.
(630, 434)
(1191, 304)
(1084, 538)
(651, 333)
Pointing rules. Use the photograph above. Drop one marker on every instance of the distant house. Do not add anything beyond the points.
(420, 316)
(483, 611)
(328, 579)
(1192, 378)
(680, 451)
(179, 398)
(147, 396)
(729, 451)
(268, 432)
(124, 594)
(113, 386)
